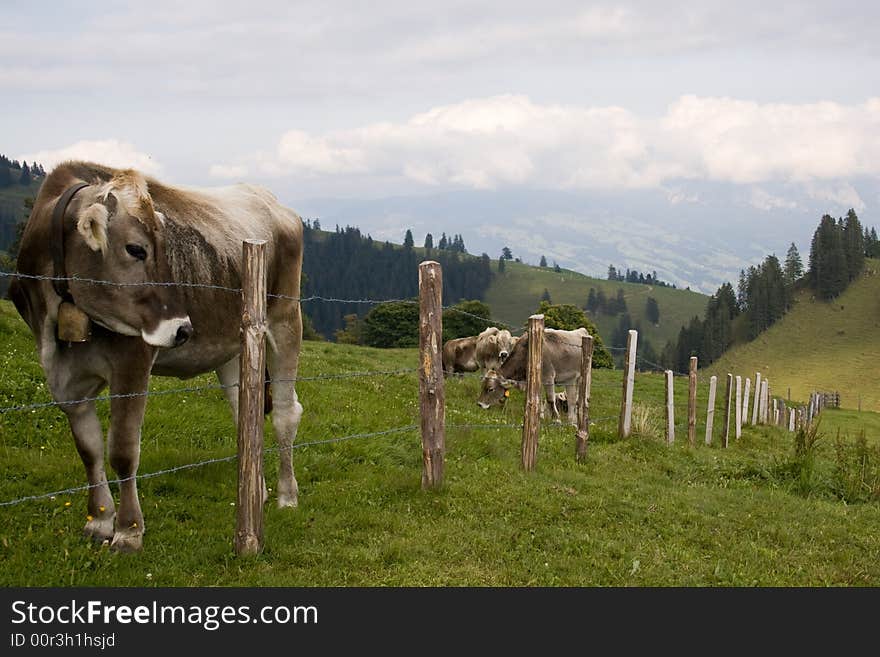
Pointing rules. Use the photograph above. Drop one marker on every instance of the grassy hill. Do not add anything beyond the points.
(635, 513)
(516, 293)
(820, 346)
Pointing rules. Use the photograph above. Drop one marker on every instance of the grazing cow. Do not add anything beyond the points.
(493, 347)
(458, 356)
(560, 364)
(93, 222)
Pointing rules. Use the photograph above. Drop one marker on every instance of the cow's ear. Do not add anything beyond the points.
(92, 225)
(507, 384)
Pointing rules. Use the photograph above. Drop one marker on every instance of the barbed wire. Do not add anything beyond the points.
(199, 464)
(150, 393)
(95, 281)
(125, 395)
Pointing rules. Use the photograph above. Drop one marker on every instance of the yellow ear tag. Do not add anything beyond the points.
(507, 393)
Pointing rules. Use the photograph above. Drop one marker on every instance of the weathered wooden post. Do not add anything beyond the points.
(624, 427)
(583, 403)
(692, 402)
(738, 409)
(670, 409)
(251, 391)
(745, 406)
(432, 393)
(757, 398)
(725, 436)
(791, 418)
(710, 410)
(532, 415)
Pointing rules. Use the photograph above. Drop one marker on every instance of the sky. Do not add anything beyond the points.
(776, 104)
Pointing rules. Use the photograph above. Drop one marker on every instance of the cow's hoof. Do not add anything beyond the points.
(128, 540)
(100, 529)
(288, 500)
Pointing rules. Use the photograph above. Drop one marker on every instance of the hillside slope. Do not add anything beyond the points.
(516, 293)
(820, 346)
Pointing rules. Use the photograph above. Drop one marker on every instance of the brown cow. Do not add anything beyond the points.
(458, 356)
(560, 364)
(493, 347)
(118, 226)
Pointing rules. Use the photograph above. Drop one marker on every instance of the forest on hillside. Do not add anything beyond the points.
(345, 264)
(766, 292)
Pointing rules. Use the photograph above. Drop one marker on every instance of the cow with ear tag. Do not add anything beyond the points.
(142, 238)
(560, 365)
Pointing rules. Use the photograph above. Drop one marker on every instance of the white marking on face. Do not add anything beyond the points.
(483, 405)
(165, 333)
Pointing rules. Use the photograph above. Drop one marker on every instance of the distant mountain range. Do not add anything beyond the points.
(695, 235)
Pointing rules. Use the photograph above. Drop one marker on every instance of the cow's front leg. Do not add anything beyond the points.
(89, 438)
(124, 440)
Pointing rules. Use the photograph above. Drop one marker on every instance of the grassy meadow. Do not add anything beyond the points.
(817, 345)
(636, 513)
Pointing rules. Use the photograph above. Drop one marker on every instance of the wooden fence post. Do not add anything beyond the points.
(791, 414)
(745, 406)
(670, 409)
(432, 393)
(583, 403)
(248, 538)
(757, 398)
(624, 427)
(710, 410)
(692, 402)
(725, 436)
(738, 409)
(532, 415)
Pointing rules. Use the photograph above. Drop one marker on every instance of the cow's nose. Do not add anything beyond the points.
(184, 333)
(503, 355)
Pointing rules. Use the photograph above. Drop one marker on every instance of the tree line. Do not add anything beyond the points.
(13, 172)
(346, 264)
(635, 276)
(767, 291)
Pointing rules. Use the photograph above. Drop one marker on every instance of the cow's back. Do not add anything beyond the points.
(204, 230)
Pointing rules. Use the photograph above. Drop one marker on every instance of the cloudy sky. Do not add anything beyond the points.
(776, 104)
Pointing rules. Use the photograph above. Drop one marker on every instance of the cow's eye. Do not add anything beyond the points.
(136, 251)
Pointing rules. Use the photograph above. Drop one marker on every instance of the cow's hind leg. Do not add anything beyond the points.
(550, 395)
(571, 396)
(228, 375)
(285, 336)
(89, 438)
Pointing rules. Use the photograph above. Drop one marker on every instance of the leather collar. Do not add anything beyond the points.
(57, 243)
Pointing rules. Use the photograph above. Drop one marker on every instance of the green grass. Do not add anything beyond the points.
(516, 293)
(635, 513)
(827, 346)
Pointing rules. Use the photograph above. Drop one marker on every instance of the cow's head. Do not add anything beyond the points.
(118, 237)
(494, 390)
(505, 344)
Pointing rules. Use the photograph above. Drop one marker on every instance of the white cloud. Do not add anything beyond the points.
(843, 195)
(507, 140)
(764, 200)
(110, 152)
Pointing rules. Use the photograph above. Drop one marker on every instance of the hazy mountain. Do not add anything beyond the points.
(692, 234)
